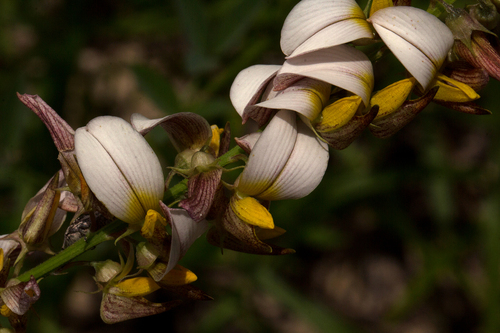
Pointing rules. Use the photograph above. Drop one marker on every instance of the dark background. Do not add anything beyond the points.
(402, 235)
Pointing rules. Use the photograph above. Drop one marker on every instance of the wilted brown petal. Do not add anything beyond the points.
(188, 291)
(21, 296)
(186, 130)
(115, 309)
(62, 134)
(36, 223)
(225, 140)
(467, 107)
(341, 138)
(483, 55)
(236, 235)
(476, 78)
(387, 126)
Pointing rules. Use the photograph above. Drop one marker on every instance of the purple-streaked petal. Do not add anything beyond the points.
(61, 132)
(120, 167)
(270, 154)
(200, 194)
(341, 32)
(247, 142)
(342, 66)
(249, 85)
(115, 309)
(21, 296)
(310, 16)
(304, 170)
(418, 39)
(186, 130)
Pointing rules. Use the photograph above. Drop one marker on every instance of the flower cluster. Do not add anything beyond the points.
(321, 96)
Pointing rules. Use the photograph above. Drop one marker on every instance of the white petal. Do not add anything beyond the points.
(306, 97)
(184, 232)
(270, 154)
(418, 39)
(304, 170)
(339, 33)
(120, 167)
(310, 16)
(342, 66)
(249, 85)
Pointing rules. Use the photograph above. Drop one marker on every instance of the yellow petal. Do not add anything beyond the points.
(453, 91)
(179, 276)
(150, 220)
(252, 212)
(338, 113)
(138, 286)
(5, 311)
(392, 97)
(215, 141)
(379, 4)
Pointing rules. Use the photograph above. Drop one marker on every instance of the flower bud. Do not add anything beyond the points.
(106, 270)
(485, 13)
(41, 216)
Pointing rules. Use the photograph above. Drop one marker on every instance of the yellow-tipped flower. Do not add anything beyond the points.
(120, 168)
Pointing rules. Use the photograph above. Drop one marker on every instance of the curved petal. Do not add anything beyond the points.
(120, 167)
(270, 154)
(307, 97)
(342, 66)
(249, 85)
(392, 97)
(418, 39)
(339, 33)
(310, 16)
(184, 232)
(338, 114)
(185, 130)
(304, 169)
(453, 91)
(246, 142)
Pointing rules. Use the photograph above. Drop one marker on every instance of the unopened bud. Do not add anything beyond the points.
(485, 13)
(106, 270)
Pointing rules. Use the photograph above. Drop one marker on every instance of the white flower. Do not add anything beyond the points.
(120, 168)
(418, 39)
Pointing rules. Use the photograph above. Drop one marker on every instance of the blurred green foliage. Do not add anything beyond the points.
(402, 235)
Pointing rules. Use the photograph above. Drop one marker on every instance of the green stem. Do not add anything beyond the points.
(74, 251)
(105, 234)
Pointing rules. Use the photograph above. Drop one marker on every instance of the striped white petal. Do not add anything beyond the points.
(342, 66)
(304, 170)
(120, 167)
(184, 232)
(186, 130)
(249, 85)
(310, 16)
(418, 39)
(270, 154)
(307, 97)
(339, 33)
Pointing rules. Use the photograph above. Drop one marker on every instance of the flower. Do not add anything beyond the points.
(197, 144)
(123, 295)
(42, 216)
(64, 139)
(418, 39)
(120, 168)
